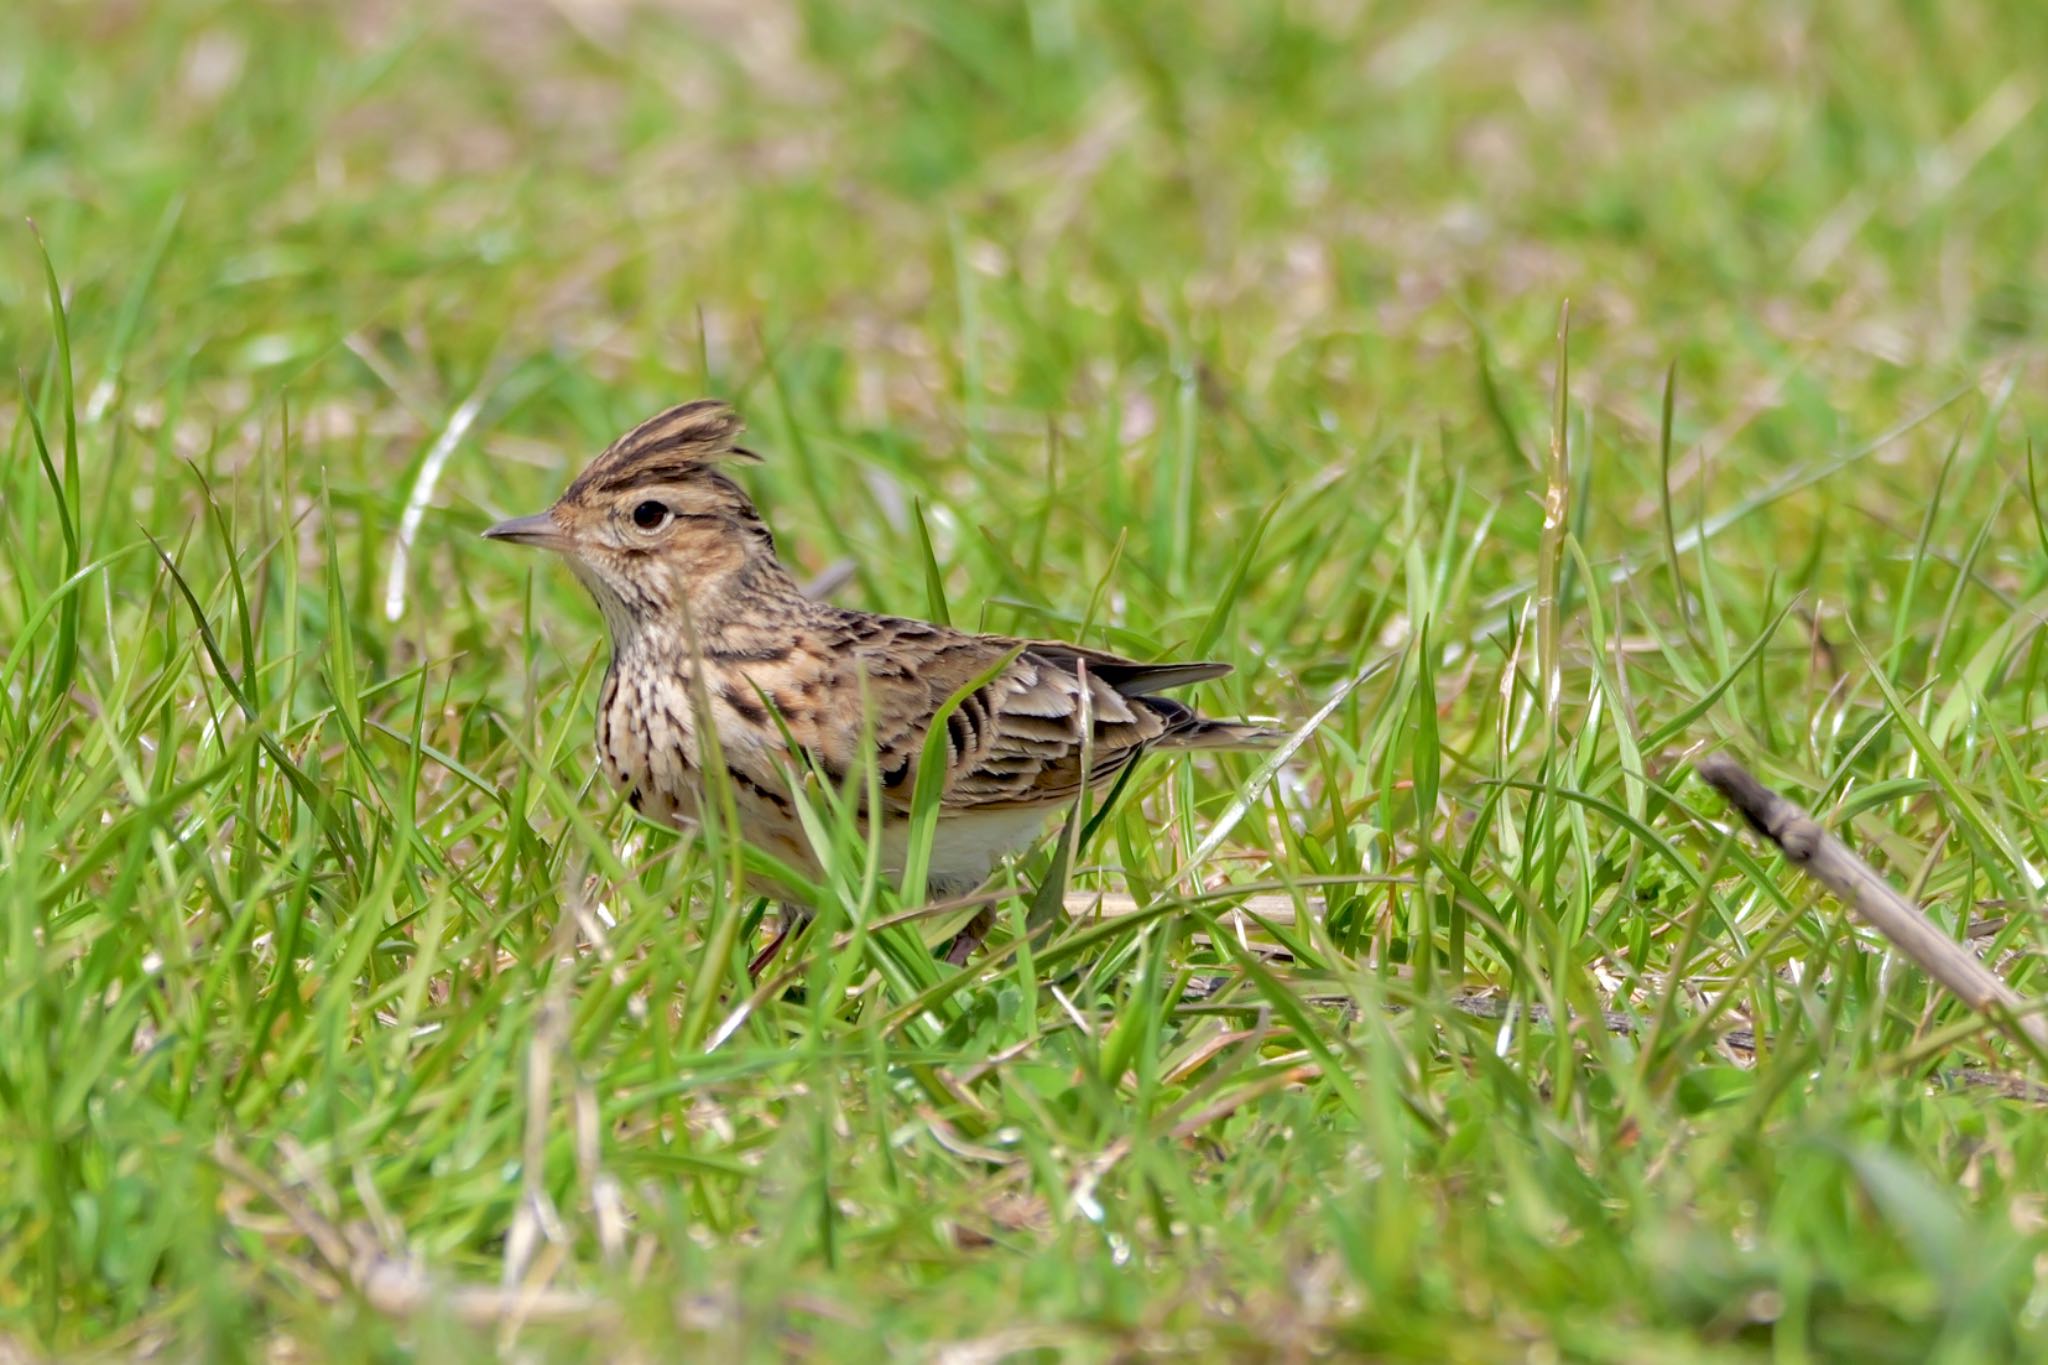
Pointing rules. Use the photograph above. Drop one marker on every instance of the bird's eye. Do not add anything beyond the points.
(650, 516)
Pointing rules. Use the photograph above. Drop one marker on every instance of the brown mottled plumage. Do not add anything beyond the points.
(708, 628)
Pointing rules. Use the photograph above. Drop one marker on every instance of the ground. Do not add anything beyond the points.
(336, 995)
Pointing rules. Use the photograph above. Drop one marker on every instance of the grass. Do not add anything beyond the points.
(1217, 329)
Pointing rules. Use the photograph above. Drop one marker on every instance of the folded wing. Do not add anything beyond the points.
(1054, 718)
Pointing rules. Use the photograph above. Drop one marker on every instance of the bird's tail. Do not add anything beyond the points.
(1225, 734)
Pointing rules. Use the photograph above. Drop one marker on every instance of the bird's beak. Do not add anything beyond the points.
(540, 530)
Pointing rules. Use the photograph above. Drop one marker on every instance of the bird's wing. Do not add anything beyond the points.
(1017, 738)
(1127, 677)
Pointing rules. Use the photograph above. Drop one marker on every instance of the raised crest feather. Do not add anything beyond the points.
(699, 432)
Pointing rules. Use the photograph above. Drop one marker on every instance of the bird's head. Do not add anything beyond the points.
(653, 526)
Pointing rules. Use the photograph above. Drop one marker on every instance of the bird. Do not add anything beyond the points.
(710, 635)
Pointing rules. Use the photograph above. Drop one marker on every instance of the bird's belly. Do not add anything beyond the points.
(966, 848)
(666, 786)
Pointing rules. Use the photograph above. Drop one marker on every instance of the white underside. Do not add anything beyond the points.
(966, 848)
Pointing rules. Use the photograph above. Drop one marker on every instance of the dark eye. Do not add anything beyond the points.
(650, 516)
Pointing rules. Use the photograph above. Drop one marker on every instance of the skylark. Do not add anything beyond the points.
(708, 630)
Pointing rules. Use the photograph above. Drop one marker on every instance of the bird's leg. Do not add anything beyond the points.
(970, 937)
(793, 918)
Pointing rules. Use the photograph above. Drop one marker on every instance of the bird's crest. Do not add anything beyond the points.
(667, 447)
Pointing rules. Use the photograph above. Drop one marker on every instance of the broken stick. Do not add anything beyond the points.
(1829, 861)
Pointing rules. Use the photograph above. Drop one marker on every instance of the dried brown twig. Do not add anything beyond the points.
(1810, 848)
